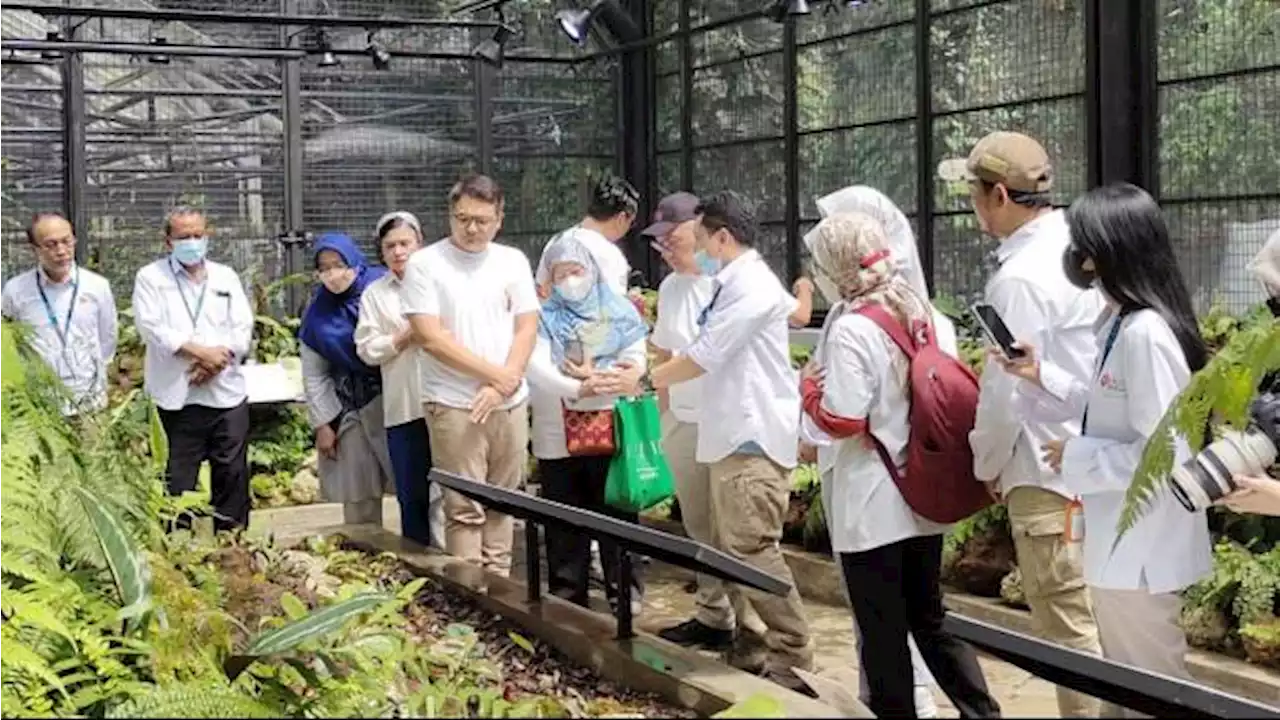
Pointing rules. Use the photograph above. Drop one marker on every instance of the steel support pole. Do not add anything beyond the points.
(686, 99)
(637, 80)
(1121, 94)
(291, 86)
(75, 177)
(924, 141)
(791, 145)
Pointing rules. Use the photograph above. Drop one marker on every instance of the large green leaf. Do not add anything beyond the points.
(11, 371)
(127, 563)
(316, 625)
(159, 440)
(193, 701)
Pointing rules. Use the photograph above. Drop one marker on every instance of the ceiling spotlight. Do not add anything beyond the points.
(851, 4)
(381, 58)
(159, 58)
(782, 9)
(51, 54)
(615, 19)
(494, 49)
(327, 58)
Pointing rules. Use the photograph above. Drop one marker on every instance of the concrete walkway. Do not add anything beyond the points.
(667, 602)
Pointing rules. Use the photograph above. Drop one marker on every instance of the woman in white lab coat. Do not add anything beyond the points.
(889, 555)
(1148, 346)
(906, 258)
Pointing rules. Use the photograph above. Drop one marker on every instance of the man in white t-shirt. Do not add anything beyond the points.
(472, 305)
(610, 214)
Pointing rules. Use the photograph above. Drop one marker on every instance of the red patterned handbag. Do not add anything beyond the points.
(588, 432)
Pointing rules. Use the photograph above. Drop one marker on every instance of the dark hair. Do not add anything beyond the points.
(477, 187)
(1020, 197)
(728, 209)
(177, 212)
(394, 222)
(45, 215)
(1121, 227)
(611, 196)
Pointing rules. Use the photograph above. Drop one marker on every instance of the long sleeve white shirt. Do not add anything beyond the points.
(381, 319)
(750, 392)
(551, 391)
(164, 300)
(1041, 307)
(89, 328)
(1169, 548)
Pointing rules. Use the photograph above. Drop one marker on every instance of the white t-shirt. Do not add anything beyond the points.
(681, 300)
(613, 264)
(477, 297)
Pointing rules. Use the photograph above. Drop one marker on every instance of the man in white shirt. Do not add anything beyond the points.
(1010, 177)
(473, 307)
(71, 312)
(197, 324)
(610, 214)
(742, 357)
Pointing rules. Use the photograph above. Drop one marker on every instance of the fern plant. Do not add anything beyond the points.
(1218, 395)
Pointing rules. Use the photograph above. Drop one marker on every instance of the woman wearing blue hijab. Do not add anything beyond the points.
(343, 393)
(585, 327)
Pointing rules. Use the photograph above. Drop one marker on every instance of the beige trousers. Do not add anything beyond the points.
(693, 490)
(1053, 580)
(1141, 629)
(495, 452)
(749, 496)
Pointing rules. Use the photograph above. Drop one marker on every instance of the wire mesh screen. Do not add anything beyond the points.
(31, 167)
(1014, 65)
(554, 133)
(1219, 77)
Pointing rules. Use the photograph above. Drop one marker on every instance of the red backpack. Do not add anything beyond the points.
(939, 483)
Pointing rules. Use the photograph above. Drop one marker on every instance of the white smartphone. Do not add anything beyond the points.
(993, 326)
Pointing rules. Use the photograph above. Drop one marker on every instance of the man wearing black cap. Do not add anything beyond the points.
(747, 425)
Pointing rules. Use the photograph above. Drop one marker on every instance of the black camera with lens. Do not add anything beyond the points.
(1207, 477)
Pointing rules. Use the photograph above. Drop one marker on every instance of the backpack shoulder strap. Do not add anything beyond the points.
(891, 327)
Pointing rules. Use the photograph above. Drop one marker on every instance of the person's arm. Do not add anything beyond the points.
(420, 298)
(318, 388)
(148, 317)
(1155, 373)
(108, 324)
(662, 339)
(802, 291)
(525, 306)
(839, 406)
(545, 377)
(996, 426)
(375, 345)
(241, 321)
(661, 356)
(733, 320)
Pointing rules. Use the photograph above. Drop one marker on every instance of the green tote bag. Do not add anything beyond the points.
(639, 476)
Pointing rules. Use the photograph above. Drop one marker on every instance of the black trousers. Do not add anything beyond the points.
(579, 481)
(895, 591)
(197, 433)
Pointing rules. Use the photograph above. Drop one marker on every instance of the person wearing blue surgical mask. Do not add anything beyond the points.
(197, 325)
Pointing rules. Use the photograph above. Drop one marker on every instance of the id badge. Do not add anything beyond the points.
(1073, 529)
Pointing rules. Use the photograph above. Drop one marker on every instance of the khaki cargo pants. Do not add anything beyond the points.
(749, 495)
(1053, 581)
(496, 453)
(693, 490)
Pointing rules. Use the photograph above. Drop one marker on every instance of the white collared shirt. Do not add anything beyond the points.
(164, 300)
(681, 300)
(1031, 293)
(1169, 548)
(477, 297)
(89, 328)
(381, 319)
(750, 392)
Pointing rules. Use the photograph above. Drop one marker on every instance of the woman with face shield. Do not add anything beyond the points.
(587, 331)
(343, 392)
(901, 242)
(890, 557)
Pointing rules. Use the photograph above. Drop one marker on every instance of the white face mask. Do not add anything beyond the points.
(574, 288)
(338, 280)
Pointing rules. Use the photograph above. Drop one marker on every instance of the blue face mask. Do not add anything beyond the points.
(190, 251)
(707, 265)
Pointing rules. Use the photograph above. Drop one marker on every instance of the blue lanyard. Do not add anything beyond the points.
(1106, 353)
(706, 311)
(193, 314)
(65, 331)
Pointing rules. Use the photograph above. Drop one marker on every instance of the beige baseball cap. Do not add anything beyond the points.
(1011, 159)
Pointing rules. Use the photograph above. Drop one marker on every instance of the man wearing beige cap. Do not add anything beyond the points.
(1010, 177)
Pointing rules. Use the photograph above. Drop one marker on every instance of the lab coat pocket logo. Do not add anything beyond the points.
(1109, 381)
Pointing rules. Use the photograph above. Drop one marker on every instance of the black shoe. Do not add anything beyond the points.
(692, 632)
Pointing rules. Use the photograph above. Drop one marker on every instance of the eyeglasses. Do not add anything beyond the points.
(467, 221)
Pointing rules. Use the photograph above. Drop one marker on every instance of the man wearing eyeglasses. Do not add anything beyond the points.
(473, 308)
(196, 321)
(71, 312)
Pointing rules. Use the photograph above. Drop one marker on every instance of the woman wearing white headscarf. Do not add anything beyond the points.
(890, 557)
(901, 243)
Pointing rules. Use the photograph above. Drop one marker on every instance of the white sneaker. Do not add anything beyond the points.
(925, 705)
